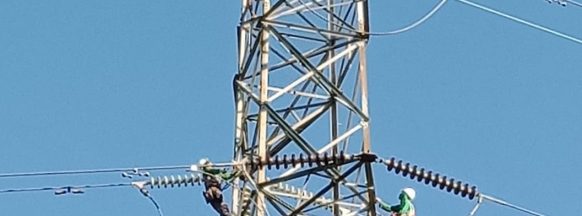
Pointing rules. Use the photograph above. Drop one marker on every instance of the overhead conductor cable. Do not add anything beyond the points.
(483, 197)
(413, 25)
(90, 171)
(522, 21)
(565, 2)
(575, 3)
(20, 190)
(141, 187)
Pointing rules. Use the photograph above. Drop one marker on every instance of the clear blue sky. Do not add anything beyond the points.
(99, 84)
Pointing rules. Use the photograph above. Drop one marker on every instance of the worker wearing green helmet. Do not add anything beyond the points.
(405, 208)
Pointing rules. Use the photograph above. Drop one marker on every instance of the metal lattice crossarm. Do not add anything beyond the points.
(301, 89)
(321, 202)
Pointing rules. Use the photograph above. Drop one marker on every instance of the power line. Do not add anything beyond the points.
(77, 189)
(147, 194)
(91, 171)
(158, 208)
(414, 24)
(38, 189)
(565, 2)
(483, 197)
(575, 3)
(522, 21)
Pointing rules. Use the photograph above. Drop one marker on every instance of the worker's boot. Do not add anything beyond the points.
(220, 208)
(224, 209)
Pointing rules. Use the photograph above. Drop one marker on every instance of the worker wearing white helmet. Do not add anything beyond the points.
(204, 162)
(405, 208)
(213, 179)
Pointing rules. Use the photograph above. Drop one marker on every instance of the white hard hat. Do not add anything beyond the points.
(409, 192)
(203, 161)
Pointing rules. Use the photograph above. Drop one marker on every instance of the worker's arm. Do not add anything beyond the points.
(221, 173)
(213, 171)
(403, 207)
(395, 208)
(383, 205)
(227, 176)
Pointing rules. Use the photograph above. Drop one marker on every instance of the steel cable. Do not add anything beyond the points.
(522, 21)
(414, 24)
(94, 186)
(90, 171)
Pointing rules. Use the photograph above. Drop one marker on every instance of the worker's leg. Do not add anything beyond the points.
(209, 195)
(216, 193)
(216, 200)
(213, 193)
(221, 208)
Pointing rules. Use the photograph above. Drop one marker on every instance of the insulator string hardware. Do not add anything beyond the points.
(431, 178)
(169, 181)
(135, 173)
(69, 190)
(294, 160)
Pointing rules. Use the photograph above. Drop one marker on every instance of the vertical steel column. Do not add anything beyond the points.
(364, 28)
(239, 142)
(333, 109)
(263, 97)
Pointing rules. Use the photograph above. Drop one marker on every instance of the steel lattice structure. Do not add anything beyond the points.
(301, 87)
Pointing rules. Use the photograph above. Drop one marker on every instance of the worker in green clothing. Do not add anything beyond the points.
(213, 179)
(405, 208)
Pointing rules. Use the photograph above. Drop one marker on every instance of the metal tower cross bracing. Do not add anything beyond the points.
(301, 88)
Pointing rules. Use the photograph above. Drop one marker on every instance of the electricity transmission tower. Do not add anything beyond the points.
(302, 138)
(302, 122)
